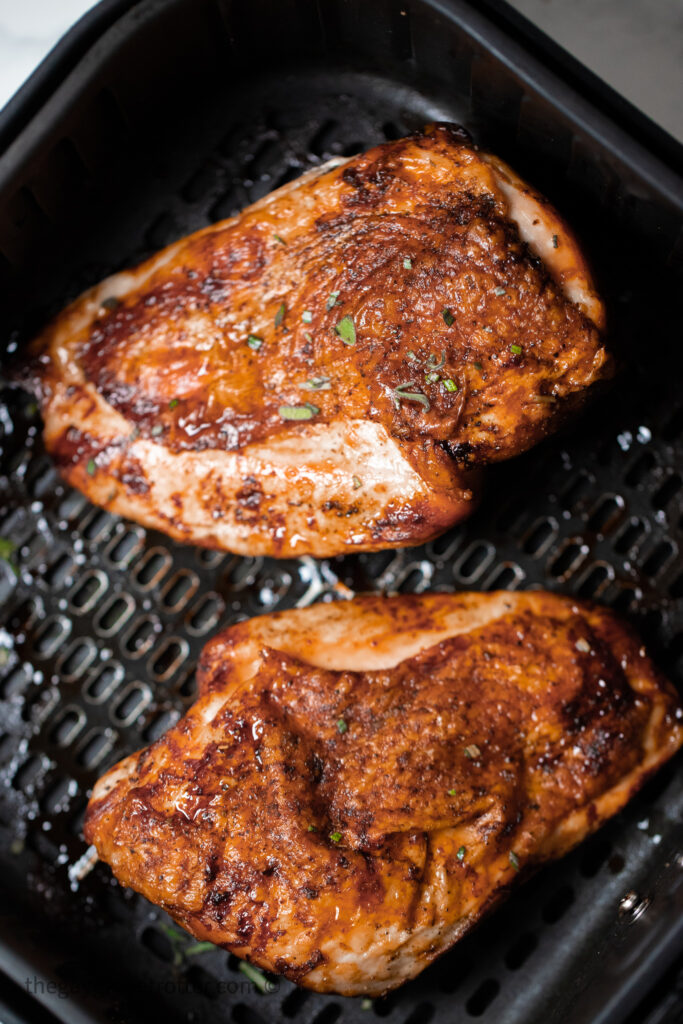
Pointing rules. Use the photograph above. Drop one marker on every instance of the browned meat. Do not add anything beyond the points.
(326, 371)
(359, 782)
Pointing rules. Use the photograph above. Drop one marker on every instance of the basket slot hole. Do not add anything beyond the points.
(267, 156)
(158, 944)
(71, 506)
(446, 545)
(131, 704)
(42, 479)
(668, 490)
(640, 469)
(97, 525)
(126, 547)
(676, 588)
(659, 558)
(203, 982)
(24, 616)
(673, 428)
(474, 561)
(595, 580)
(103, 683)
(188, 687)
(289, 174)
(115, 614)
(323, 142)
(96, 748)
(51, 635)
(481, 999)
(540, 537)
(179, 590)
(77, 659)
(87, 592)
(171, 654)
(594, 857)
(570, 498)
(229, 204)
(558, 905)
(505, 577)
(294, 1003)
(159, 725)
(201, 182)
(153, 568)
(422, 1014)
(328, 1015)
(411, 582)
(206, 614)
(606, 515)
(631, 535)
(60, 572)
(28, 774)
(58, 799)
(17, 682)
(568, 560)
(140, 638)
(67, 726)
(518, 954)
(209, 558)
(242, 573)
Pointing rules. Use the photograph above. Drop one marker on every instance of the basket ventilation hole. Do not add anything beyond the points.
(539, 538)
(481, 999)
(422, 1014)
(243, 1014)
(518, 954)
(558, 905)
(659, 558)
(668, 490)
(294, 1003)
(328, 1015)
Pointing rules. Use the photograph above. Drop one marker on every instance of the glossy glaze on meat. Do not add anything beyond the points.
(359, 782)
(418, 310)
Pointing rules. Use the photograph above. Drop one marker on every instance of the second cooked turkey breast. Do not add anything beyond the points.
(327, 371)
(358, 783)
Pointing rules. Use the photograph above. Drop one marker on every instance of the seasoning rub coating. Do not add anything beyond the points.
(327, 371)
(359, 782)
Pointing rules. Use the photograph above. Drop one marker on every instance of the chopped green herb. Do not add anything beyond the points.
(346, 330)
(342, 727)
(451, 792)
(431, 377)
(7, 549)
(4, 655)
(366, 1004)
(91, 467)
(400, 394)
(514, 860)
(134, 434)
(317, 384)
(411, 355)
(582, 645)
(172, 404)
(111, 303)
(478, 366)
(280, 315)
(298, 412)
(407, 264)
(280, 239)
(556, 241)
(500, 291)
(156, 430)
(308, 336)
(331, 300)
(335, 836)
(448, 317)
(357, 482)
(449, 384)
(435, 364)
(307, 316)
(472, 751)
(461, 853)
(516, 350)
(254, 342)
(312, 828)
(256, 977)
(199, 947)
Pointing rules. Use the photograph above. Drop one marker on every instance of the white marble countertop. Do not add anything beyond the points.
(635, 45)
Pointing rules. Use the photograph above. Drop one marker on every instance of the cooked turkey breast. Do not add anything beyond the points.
(359, 782)
(327, 371)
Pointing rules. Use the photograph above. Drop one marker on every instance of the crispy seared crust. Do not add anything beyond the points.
(359, 782)
(157, 408)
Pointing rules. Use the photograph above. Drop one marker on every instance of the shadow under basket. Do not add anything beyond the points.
(160, 118)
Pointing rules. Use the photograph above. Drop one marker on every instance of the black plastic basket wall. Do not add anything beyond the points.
(181, 114)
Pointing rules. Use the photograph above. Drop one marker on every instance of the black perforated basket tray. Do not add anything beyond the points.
(154, 119)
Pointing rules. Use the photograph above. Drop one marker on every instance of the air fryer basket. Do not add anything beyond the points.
(180, 114)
